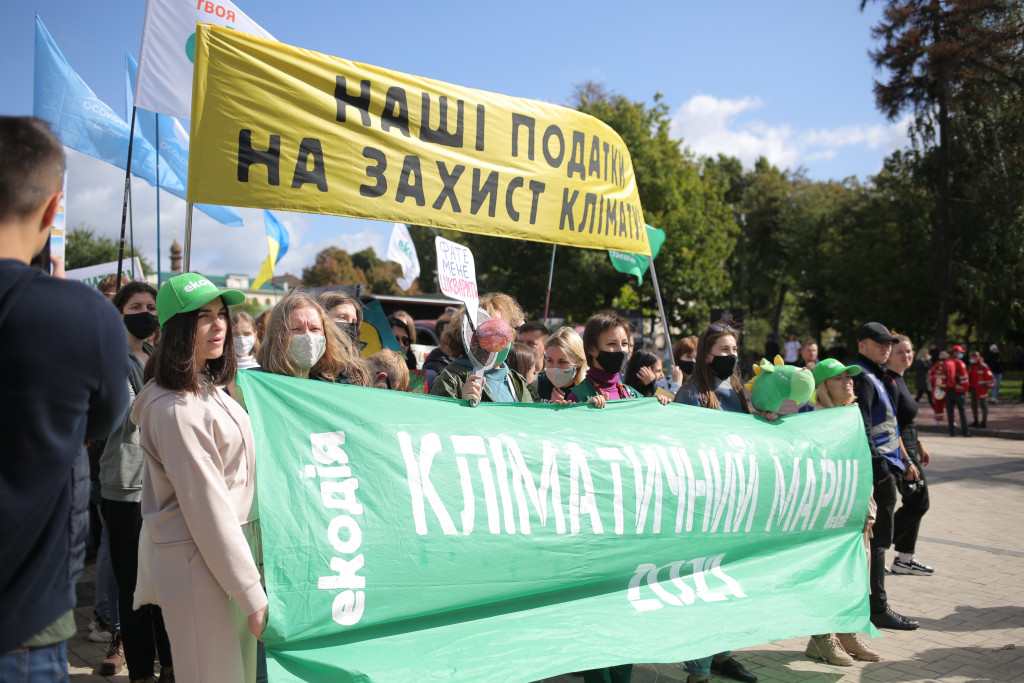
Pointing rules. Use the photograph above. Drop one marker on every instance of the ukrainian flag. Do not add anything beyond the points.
(277, 244)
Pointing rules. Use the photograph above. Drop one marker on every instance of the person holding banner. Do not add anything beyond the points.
(606, 343)
(301, 341)
(200, 563)
(500, 384)
(716, 384)
(834, 389)
(565, 365)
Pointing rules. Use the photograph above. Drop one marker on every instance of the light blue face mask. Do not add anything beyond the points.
(502, 355)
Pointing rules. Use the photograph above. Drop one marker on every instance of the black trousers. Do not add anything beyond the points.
(958, 401)
(914, 499)
(885, 493)
(142, 630)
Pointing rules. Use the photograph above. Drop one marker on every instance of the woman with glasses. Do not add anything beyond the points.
(405, 332)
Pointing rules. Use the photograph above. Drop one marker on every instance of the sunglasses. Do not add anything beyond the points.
(404, 340)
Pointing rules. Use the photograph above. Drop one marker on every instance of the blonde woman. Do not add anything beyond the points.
(565, 365)
(301, 341)
(245, 341)
(834, 389)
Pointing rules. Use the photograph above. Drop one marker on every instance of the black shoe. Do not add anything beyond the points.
(730, 668)
(897, 622)
(967, 432)
(984, 425)
(975, 424)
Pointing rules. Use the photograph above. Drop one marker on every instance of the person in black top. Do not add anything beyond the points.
(994, 361)
(59, 390)
(913, 487)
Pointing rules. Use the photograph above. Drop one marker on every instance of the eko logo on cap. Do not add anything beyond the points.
(190, 292)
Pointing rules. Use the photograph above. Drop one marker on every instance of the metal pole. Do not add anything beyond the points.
(551, 275)
(131, 231)
(661, 309)
(124, 204)
(158, 276)
(188, 237)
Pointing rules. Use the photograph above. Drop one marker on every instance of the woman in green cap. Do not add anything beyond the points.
(833, 383)
(199, 488)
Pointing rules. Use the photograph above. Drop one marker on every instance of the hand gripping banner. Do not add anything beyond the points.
(408, 538)
(278, 127)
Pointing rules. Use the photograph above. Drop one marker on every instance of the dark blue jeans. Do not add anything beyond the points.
(47, 664)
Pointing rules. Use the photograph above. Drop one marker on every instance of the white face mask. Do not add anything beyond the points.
(243, 344)
(560, 377)
(307, 349)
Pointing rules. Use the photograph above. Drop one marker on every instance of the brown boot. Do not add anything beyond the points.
(115, 656)
(856, 647)
(827, 647)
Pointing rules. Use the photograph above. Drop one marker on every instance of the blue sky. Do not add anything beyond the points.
(788, 80)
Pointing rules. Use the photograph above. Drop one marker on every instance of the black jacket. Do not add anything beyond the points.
(63, 382)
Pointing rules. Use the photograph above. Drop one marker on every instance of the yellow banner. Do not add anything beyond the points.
(278, 127)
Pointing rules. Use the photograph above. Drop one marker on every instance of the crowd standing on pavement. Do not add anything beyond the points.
(149, 386)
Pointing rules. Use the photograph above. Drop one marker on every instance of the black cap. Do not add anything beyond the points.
(876, 332)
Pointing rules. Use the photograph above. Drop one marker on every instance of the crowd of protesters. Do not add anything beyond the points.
(149, 385)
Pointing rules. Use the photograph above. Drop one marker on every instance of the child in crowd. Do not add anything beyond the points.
(643, 371)
(245, 341)
(388, 370)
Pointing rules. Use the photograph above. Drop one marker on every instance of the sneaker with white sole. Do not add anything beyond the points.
(913, 567)
(99, 634)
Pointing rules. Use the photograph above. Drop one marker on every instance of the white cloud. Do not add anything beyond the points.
(710, 126)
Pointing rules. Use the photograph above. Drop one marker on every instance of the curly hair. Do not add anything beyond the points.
(499, 305)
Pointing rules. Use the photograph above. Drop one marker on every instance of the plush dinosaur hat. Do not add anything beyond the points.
(774, 383)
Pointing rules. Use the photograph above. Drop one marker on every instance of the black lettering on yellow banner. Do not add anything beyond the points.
(277, 127)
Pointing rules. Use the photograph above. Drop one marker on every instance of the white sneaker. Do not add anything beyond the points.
(913, 567)
(99, 635)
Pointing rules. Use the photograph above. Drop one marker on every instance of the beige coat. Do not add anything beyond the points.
(199, 484)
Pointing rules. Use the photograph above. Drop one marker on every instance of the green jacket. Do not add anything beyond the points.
(122, 461)
(449, 383)
(585, 390)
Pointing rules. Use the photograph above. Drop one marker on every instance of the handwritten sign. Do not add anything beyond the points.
(456, 273)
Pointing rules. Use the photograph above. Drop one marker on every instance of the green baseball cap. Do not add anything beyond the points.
(190, 292)
(828, 369)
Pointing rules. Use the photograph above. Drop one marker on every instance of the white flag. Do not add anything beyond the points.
(402, 251)
(168, 47)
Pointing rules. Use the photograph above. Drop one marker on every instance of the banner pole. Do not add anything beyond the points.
(661, 309)
(551, 275)
(124, 203)
(158, 283)
(188, 238)
(131, 230)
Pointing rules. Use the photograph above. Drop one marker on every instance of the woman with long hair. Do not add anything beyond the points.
(198, 492)
(716, 384)
(405, 331)
(301, 341)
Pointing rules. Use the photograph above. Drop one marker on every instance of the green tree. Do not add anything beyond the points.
(333, 266)
(85, 248)
(941, 54)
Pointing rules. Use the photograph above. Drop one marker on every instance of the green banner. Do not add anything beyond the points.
(411, 538)
(637, 264)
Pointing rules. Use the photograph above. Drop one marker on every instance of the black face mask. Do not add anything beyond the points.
(141, 325)
(687, 366)
(611, 361)
(351, 330)
(723, 366)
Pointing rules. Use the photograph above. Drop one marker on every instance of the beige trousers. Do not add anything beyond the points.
(210, 637)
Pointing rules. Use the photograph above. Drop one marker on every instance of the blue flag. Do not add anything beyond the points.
(173, 143)
(82, 121)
